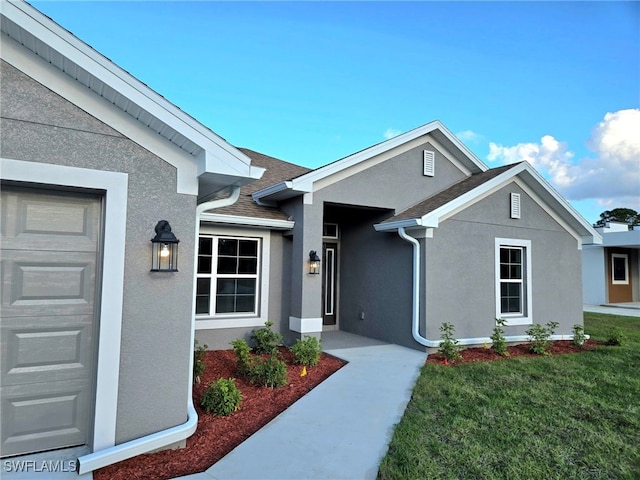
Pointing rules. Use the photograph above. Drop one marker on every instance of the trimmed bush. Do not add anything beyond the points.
(244, 361)
(266, 340)
(540, 335)
(579, 337)
(449, 347)
(222, 398)
(269, 372)
(615, 337)
(499, 343)
(307, 352)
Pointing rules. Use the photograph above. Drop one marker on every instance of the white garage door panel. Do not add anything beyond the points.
(53, 419)
(54, 349)
(41, 283)
(50, 221)
(50, 256)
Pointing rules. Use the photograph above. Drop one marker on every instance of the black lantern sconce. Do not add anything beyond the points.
(164, 249)
(314, 263)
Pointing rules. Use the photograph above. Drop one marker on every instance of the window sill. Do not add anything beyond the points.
(213, 323)
(515, 321)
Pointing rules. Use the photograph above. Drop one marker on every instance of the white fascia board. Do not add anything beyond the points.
(592, 235)
(79, 53)
(280, 191)
(462, 147)
(247, 221)
(391, 226)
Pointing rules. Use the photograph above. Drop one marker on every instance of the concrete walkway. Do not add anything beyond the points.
(339, 430)
(625, 309)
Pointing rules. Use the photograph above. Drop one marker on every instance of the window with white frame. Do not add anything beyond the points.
(619, 269)
(513, 280)
(228, 276)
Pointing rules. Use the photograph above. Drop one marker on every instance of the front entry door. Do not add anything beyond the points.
(329, 283)
(50, 260)
(620, 287)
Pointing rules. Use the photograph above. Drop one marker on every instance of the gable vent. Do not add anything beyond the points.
(515, 205)
(429, 162)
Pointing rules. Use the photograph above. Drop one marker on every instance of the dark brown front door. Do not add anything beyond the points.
(620, 287)
(329, 283)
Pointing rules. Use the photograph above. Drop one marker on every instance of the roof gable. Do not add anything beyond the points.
(431, 211)
(305, 183)
(218, 164)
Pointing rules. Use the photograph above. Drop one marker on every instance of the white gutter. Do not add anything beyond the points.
(154, 441)
(415, 321)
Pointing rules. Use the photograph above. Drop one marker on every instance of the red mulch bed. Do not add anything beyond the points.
(523, 350)
(217, 436)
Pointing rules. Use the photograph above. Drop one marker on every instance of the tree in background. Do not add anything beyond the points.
(624, 215)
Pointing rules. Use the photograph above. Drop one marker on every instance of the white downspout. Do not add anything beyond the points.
(154, 441)
(415, 318)
(415, 323)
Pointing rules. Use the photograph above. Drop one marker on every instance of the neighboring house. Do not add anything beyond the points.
(611, 271)
(412, 232)
(96, 349)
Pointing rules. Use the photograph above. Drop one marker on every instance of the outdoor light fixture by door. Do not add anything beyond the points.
(314, 263)
(164, 249)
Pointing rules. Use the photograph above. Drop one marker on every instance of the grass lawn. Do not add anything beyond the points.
(573, 416)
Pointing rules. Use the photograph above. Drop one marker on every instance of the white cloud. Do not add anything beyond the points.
(612, 177)
(390, 133)
(469, 136)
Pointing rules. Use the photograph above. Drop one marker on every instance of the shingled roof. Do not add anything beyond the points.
(445, 196)
(277, 171)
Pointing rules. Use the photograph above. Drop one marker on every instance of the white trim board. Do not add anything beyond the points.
(237, 220)
(111, 296)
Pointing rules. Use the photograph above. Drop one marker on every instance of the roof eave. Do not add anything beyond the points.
(123, 90)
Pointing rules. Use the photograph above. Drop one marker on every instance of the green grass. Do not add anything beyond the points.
(574, 416)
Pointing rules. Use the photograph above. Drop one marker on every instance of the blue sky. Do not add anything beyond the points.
(554, 83)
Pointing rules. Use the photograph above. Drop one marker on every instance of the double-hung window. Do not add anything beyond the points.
(228, 277)
(513, 280)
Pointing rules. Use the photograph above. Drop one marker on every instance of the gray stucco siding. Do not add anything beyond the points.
(40, 126)
(396, 183)
(375, 284)
(460, 268)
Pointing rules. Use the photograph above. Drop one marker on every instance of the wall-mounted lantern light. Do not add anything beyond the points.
(164, 249)
(314, 263)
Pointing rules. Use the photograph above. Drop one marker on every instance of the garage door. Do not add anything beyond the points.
(49, 270)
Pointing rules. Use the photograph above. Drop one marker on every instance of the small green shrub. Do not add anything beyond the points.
(499, 343)
(244, 361)
(198, 362)
(540, 335)
(269, 372)
(266, 340)
(307, 352)
(615, 337)
(449, 347)
(579, 337)
(222, 398)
